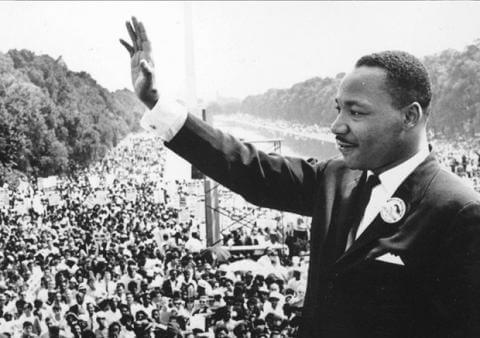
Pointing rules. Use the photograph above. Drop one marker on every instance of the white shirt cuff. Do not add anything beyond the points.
(165, 119)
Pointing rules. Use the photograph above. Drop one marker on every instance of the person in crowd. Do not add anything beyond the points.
(28, 330)
(102, 329)
(114, 330)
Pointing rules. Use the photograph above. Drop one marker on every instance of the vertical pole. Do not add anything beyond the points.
(209, 229)
(212, 219)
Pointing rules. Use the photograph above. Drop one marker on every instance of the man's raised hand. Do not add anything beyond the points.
(142, 67)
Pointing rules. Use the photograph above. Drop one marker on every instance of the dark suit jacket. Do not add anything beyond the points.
(436, 293)
(167, 288)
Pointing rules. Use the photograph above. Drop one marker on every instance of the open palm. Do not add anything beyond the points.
(142, 66)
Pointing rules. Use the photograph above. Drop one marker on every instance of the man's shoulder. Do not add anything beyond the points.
(454, 186)
(332, 165)
(337, 163)
(335, 170)
(449, 191)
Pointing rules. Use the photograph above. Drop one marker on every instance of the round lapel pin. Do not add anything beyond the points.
(393, 210)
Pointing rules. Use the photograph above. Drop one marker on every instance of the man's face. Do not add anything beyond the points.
(28, 329)
(102, 322)
(116, 330)
(28, 308)
(78, 329)
(368, 129)
(132, 269)
(124, 310)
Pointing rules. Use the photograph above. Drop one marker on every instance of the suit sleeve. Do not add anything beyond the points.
(462, 272)
(267, 180)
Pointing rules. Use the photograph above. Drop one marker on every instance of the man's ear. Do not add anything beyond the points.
(412, 115)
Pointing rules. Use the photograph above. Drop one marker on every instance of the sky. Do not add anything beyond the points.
(240, 48)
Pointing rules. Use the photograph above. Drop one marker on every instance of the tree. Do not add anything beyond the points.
(53, 119)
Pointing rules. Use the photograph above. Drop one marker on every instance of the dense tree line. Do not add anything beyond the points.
(53, 120)
(456, 88)
(455, 107)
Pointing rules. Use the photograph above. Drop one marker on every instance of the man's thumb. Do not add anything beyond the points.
(146, 69)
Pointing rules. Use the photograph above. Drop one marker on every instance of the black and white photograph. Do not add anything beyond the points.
(240, 169)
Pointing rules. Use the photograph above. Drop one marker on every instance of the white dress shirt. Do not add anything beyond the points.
(390, 180)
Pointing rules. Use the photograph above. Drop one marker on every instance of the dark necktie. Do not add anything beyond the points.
(362, 201)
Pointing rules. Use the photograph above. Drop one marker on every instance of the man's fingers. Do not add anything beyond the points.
(142, 32)
(132, 34)
(135, 24)
(145, 43)
(136, 27)
(129, 48)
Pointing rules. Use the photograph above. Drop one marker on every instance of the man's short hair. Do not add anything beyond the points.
(407, 78)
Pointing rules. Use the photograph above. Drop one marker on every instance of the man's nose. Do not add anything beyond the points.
(339, 126)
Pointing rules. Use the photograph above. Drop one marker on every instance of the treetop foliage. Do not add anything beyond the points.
(53, 120)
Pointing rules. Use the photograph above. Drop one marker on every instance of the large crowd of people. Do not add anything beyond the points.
(460, 157)
(116, 250)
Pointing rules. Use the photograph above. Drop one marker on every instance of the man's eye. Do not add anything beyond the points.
(355, 113)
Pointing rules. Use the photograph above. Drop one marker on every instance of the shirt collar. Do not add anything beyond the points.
(392, 178)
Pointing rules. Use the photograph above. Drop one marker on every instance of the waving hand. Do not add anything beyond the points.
(142, 66)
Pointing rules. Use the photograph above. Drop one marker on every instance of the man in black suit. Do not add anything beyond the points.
(395, 239)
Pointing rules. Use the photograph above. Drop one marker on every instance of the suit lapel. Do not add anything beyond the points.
(411, 192)
(341, 219)
(345, 214)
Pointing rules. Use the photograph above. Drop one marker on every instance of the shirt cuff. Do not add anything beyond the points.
(165, 119)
